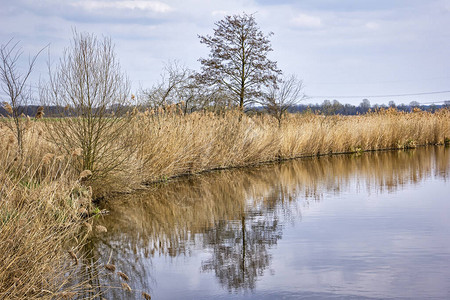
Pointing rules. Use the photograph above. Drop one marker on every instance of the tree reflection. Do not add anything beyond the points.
(239, 214)
(240, 250)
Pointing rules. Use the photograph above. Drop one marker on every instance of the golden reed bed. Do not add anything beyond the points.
(173, 144)
(44, 201)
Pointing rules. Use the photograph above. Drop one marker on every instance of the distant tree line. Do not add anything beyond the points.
(334, 107)
(326, 108)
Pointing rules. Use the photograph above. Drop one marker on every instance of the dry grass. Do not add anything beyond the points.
(168, 143)
(43, 198)
(172, 144)
(39, 221)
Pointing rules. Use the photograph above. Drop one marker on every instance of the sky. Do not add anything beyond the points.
(339, 48)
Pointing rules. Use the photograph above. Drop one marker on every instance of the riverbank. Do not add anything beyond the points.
(173, 144)
(351, 205)
(42, 189)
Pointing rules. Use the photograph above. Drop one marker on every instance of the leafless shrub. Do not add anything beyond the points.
(91, 95)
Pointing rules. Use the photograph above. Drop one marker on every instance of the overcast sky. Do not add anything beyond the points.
(338, 47)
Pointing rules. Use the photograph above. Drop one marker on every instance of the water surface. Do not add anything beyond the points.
(370, 226)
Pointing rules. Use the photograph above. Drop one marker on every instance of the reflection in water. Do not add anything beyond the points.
(234, 218)
(240, 250)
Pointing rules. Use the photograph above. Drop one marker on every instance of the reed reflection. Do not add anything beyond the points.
(238, 215)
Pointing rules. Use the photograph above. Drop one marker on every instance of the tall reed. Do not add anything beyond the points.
(43, 198)
(169, 143)
(172, 144)
(40, 220)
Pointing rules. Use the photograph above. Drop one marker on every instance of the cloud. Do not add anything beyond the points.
(345, 5)
(220, 13)
(306, 21)
(446, 6)
(152, 6)
(372, 25)
(98, 11)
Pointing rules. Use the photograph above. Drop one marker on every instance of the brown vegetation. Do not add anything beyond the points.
(172, 144)
(40, 230)
(168, 143)
(44, 199)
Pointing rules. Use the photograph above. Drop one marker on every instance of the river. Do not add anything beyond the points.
(363, 226)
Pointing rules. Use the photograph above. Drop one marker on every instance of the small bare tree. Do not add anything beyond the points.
(194, 96)
(283, 96)
(179, 85)
(13, 83)
(173, 80)
(88, 85)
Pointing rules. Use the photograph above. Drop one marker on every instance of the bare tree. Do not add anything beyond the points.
(87, 84)
(195, 96)
(179, 85)
(238, 59)
(174, 78)
(280, 98)
(13, 82)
